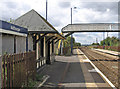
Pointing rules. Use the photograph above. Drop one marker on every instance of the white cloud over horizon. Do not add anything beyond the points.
(89, 11)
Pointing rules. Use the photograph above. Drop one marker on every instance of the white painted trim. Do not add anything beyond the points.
(12, 32)
(100, 73)
(108, 51)
(81, 85)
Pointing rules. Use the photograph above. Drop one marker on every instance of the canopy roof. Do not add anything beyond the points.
(35, 23)
(91, 27)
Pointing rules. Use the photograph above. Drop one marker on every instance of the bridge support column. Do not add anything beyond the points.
(61, 47)
(71, 44)
(103, 40)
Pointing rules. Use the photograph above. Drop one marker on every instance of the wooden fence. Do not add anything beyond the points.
(17, 69)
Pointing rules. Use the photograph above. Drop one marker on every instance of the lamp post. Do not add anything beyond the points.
(103, 40)
(46, 8)
(71, 15)
(71, 34)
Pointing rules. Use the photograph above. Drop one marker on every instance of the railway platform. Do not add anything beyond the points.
(108, 52)
(74, 72)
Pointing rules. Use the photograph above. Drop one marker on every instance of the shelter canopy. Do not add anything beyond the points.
(91, 27)
(36, 23)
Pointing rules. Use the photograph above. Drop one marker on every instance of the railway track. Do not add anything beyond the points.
(104, 63)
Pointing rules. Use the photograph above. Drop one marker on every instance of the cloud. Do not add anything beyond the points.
(101, 6)
(64, 4)
(88, 38)
(96, 12)
(11, 5)
(54, 21)
(12, 9)
(59, 14)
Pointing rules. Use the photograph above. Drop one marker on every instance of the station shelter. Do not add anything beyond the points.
(42, 36)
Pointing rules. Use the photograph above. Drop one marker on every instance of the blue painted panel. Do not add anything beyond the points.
(11, 27)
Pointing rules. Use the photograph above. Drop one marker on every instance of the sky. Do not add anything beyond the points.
(59, 15)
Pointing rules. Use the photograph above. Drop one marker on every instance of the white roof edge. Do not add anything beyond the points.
(12, 32)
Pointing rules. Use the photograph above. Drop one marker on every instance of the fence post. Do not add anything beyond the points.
(4, 68)
(10, 64)
(18, 63)
(35, 63)
(20, 67)
(8, 71)
(1, 84)
(27, 67)
(13, 70)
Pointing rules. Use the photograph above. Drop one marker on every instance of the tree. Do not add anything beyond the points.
(11, 20)
(69, 39)
(67, 42)
(110, 41)
(95, 43)
(77, 44)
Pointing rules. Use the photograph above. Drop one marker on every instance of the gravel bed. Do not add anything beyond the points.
(105, 65)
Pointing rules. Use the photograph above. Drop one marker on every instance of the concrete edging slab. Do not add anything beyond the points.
(46, 78)
(100, 73)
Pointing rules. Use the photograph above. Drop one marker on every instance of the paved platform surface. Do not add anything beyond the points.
(108, 52)
(73, 72)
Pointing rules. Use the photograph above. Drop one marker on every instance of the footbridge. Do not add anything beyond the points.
(89, 27)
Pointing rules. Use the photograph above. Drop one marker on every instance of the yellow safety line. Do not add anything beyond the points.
(87, 75)
(83, 85)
